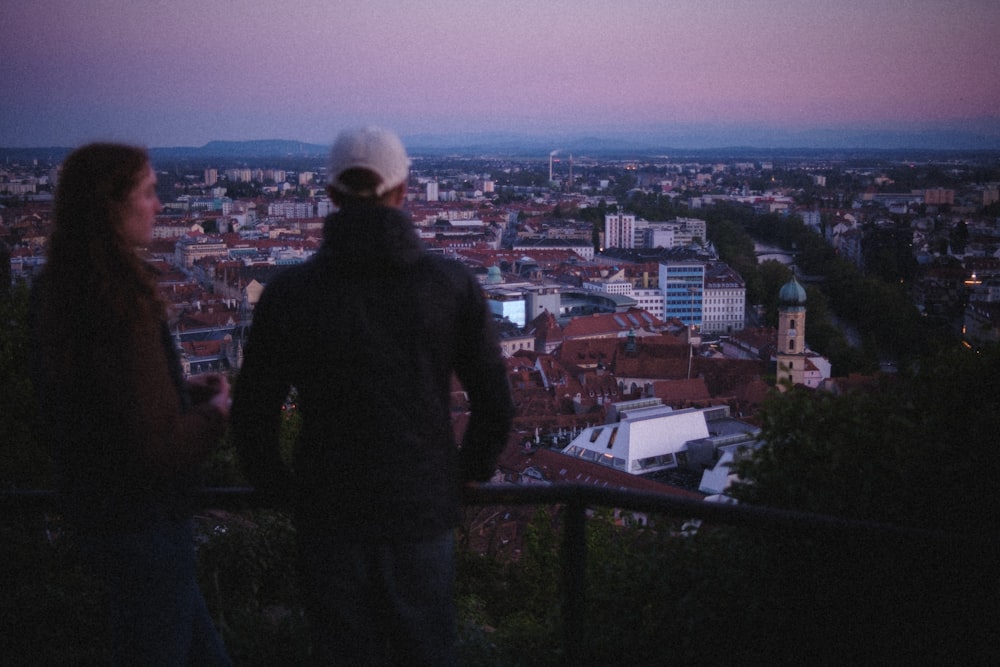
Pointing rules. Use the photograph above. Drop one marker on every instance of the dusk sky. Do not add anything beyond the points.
(186, 72)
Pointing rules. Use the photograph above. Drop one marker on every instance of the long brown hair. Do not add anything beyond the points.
(91, 268)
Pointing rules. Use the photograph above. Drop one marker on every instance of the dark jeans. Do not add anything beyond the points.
(159, 616)
(380, 603)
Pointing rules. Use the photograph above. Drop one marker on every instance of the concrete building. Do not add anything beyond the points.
(583, 248)
(506, 303)
(648, 299)
(291, 209)
(671, 234)
(189, 250)
(513, 342)
(541, 298)
(724, 303)
(619, 230)
(239, 175)
(939, 196)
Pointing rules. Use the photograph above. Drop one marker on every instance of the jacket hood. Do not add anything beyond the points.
(370, 235)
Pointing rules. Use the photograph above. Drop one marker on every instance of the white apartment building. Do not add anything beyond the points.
(694, 227)
(171, 230)
(276, 175)
(623, 287)
(651, 300)
(724, 300)
(290, 209)
(619, 230)
(811, 218)
(324, 207)
(659, 237)
(671, 234)
(18, 188)
(239, 175)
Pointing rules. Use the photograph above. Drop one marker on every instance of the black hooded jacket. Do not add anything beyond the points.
(369, 332)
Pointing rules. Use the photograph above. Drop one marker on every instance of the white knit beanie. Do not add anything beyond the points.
(373, 148)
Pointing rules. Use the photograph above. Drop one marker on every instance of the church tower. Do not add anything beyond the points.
(791, 334)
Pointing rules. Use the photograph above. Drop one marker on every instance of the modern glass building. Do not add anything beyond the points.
(683, 286)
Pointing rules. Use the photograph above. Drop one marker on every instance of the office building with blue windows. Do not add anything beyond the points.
(683, 287)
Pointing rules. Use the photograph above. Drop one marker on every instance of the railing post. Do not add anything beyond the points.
(574, 570)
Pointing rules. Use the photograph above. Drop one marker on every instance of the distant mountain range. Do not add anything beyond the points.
(693, 141)
(214, 150)
(245, 149)
(978, 135)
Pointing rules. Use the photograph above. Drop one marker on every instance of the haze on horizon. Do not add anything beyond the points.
(186, 72)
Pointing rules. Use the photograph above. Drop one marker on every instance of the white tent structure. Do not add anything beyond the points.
(648, 438)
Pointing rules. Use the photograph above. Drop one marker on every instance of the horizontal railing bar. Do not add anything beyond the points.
(722, 512)
(241, 497)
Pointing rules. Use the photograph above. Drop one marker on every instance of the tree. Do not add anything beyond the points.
(24, 462)
(773, 276)
(916, 449)
(888, 254)
(736, 248)
(959, 236)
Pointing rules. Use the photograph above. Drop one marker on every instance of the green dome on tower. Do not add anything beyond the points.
(792, 295)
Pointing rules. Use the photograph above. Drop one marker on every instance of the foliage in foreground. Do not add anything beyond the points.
(917, 449)
(728, 596)
(653, 597)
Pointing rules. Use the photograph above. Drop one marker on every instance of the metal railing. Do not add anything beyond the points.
(576, 500)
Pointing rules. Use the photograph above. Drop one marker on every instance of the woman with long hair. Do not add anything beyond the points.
(128, 433)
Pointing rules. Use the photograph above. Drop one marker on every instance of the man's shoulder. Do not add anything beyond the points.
(284, 287)
(446, 265)
(292, 276)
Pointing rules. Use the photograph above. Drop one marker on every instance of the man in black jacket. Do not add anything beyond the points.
(368, 334)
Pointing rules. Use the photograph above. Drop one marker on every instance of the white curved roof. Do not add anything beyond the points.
(646, 440)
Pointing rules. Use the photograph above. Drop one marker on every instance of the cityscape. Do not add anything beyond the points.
(743, 260)
(641, 343)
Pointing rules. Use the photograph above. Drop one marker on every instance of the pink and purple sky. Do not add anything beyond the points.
(185, 72)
